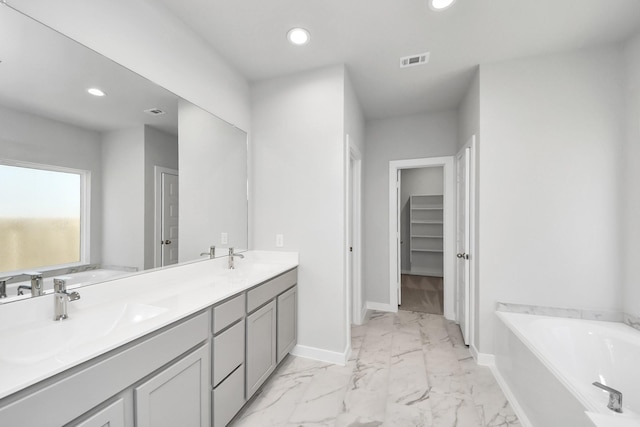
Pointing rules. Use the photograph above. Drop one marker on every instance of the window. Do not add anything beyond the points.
(43, 216)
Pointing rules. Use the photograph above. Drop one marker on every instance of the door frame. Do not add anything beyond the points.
(353, 228)
(448, 165)
(157, 215)
(471, 231)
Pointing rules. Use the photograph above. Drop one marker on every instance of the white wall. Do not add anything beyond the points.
(429, 180)
(36, 139)
(160, 149)
(144, 37)
(469, 112)
(408, 137)
(212, 183)
(298, 182)
(123, 192)
(550, 150)
(468, 126)
(630, 196)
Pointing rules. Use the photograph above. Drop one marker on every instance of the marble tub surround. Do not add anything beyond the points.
(33, 347)
(633, 321)
(405, 369)
(572, 313)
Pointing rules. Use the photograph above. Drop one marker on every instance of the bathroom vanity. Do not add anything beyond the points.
(184, 346)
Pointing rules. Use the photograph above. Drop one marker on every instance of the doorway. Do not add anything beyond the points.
(442, 205)
(422, 239)
(166, 216)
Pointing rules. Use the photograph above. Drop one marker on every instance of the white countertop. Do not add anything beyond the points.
(33, 347)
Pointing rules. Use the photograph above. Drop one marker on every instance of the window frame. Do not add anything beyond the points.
(85, 213)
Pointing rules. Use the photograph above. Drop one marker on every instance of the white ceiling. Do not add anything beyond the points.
(370, 36)
(45, 73)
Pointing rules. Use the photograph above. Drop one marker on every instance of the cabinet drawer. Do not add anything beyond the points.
(228, 312)
(228, 351)
(228, 398)
(269, 290)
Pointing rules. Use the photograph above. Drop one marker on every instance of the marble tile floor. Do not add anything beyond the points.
(422, 293)
(406, 369)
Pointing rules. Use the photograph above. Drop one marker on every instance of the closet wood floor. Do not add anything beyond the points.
(422, 293)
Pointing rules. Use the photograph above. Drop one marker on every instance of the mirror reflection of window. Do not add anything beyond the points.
(40, 216)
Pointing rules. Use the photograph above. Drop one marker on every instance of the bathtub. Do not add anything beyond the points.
(76, 279)
(548, 365)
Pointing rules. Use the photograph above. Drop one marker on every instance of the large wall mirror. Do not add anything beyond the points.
(95, 187)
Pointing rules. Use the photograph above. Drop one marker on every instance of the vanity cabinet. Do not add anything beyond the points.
(261, 346)
(69, 398)
(178, 395)
(228, 359)
(287, 322)
(271, 311)
(112, 416)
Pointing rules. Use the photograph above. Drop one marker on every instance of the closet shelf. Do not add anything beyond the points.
(427, 208)
(426, 232)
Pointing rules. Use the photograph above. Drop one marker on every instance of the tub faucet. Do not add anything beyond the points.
(615, 397)
(3, 286)
(232, 255)
(211, 253)
(61, 297)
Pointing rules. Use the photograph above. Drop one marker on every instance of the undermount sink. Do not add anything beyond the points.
(43, 340)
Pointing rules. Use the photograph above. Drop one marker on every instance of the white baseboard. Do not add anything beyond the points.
(364, 315)
(483, 359)
(381, 307)
(515, 405)
(321, 354)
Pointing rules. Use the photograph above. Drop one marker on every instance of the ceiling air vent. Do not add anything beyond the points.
(154, 111)
(413, 60)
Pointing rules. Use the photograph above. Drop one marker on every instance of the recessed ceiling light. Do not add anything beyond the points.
(441, 4)
(298, 36)
(95, 91)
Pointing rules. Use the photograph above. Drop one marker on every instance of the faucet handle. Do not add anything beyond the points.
(60, 284)
(33, 274)
(75, 295)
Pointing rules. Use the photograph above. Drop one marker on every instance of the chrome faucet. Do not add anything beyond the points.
(62, 297)
(211, 253)
(615, 397)
(3, 286)
(232, 255)
(37, 287)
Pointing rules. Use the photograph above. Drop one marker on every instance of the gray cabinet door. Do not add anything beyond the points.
(287, 328)
(261, 346)
(177, 396)
(111, 416)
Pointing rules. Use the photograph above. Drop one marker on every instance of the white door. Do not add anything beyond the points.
(169, 219)
(462, 241)
(398, 236)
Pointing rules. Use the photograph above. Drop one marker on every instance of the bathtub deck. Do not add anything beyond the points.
(406, 369)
